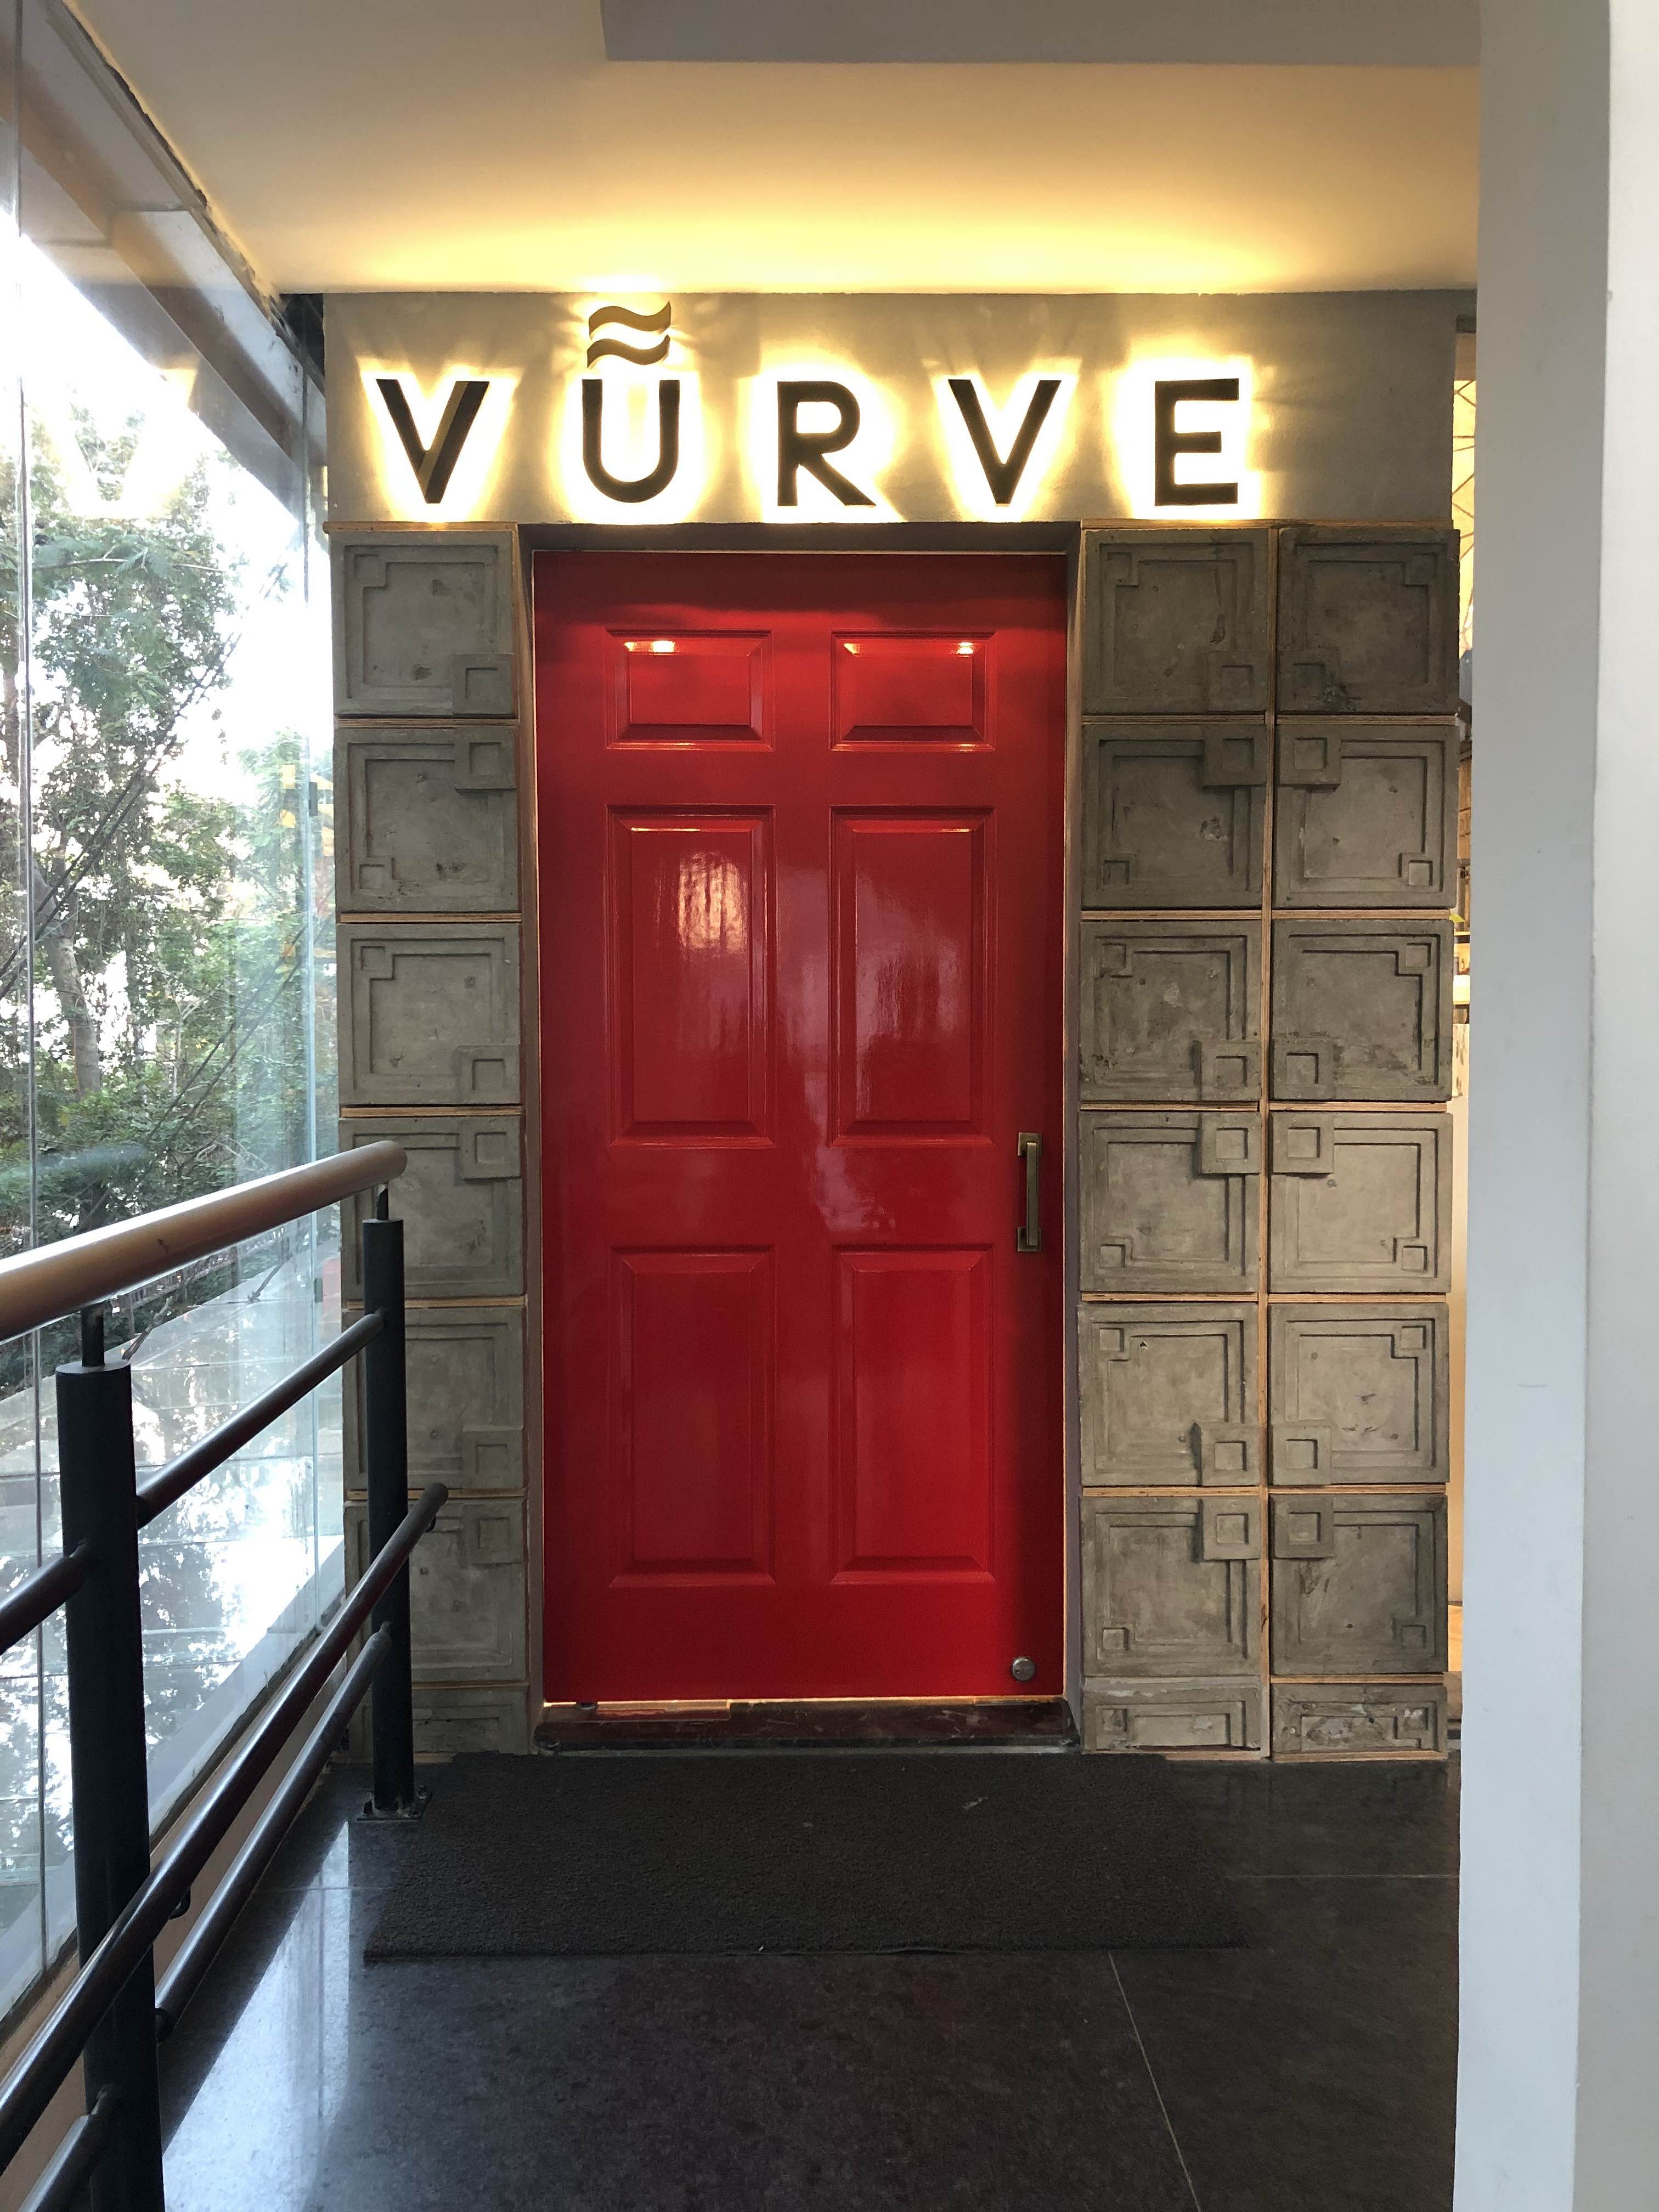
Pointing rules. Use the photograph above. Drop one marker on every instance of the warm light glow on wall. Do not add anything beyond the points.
(632, 444)
(1134, 402)
(973, 488)
(464, 493)
(861, 461)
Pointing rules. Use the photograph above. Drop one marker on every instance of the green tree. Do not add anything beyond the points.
(162, 908)
(169, 1048)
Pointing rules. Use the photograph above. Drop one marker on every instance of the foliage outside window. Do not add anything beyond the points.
(166, 996)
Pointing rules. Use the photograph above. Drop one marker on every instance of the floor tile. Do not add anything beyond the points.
(680, 2084)
(1313, 2071)
(1347, 1818)
(330, 1843)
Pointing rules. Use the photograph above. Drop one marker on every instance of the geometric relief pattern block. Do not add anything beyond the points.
(1159, 1596)
(1359, 1585)
(1367, 621)
(460, 1199)
(1365, 814)
(466, 1589)
(910, 1422)
(1360, 1202)
(450, 1723)
(465, 1366)
(1361, 1009)
(1176, 624)
(1222, 1714)
(423, 625)
(912, 691)
(693, 1353)
(432, 1017)
(1171, 1009)
(689, 934)
(1359, 1394)
(1331, 1719)
(1168, 1395)
(427, 820)
(1170, 1202)
(910, 931)
(1174, 814)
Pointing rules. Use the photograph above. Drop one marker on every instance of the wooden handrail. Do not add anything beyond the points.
(36, 1287)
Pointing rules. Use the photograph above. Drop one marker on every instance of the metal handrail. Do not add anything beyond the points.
(169, 1484)
(38, 1595)
(71, 2164)
(35, 2079)
(112, 2016)
(265, 1838)
(41, 1286)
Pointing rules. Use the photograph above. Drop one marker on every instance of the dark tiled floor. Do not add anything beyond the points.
(1310, 2071)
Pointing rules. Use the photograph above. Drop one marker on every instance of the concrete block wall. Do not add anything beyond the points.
(1268, 866)
(429, 748)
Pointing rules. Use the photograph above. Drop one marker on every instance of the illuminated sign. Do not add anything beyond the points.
(434, 464)
(1000, 456)
(1182, 430)
(633, 435)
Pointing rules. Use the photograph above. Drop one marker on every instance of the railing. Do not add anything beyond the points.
(114, 2015)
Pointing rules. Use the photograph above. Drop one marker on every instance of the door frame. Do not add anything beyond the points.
(1052, 539)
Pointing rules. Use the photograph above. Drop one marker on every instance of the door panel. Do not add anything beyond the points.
(691, 1393)
(802, 959)
(913, 1362)
(909, 690)
(690, 1049)
(909, 920)
(686, 689)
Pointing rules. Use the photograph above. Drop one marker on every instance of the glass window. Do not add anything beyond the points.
(166, 943)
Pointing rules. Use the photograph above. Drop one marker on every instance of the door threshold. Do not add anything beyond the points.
(998, 1724)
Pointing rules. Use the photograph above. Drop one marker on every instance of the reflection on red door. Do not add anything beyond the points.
(801, 961)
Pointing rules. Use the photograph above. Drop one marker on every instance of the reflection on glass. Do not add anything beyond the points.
(166, 1010)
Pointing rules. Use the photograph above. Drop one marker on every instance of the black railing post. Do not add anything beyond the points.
(386, 1449)
(108, 1768)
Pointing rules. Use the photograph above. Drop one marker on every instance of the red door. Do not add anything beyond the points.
(801, 981)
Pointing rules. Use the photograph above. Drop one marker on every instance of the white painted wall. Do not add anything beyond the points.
(1559, 2091)
(1618, 2148)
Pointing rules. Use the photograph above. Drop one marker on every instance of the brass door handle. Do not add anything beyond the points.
(1028, 1237)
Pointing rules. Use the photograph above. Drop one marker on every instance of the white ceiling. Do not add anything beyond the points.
(1410, 33)
(414, 144)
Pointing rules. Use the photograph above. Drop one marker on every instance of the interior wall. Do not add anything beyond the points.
(1538, 455)
(1617, 2150)
(1559, 1937)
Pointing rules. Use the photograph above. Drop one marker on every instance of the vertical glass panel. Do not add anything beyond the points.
(23, 1830)
(166, 907)
(1463, 404)
(23, 1833)
(229, 1585)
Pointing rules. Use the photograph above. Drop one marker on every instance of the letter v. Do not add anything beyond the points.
(434, 465)
(1002, 475)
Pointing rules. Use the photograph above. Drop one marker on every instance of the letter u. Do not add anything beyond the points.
(633, 490)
